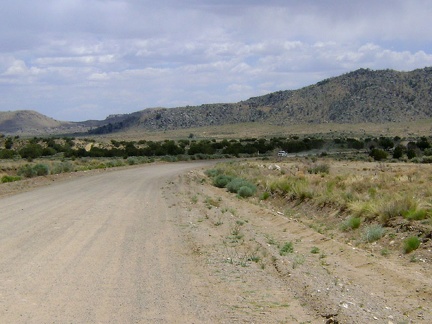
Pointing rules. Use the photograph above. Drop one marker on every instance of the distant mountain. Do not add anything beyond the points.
(362, 96)
(29, 122)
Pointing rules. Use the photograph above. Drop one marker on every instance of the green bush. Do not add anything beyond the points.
(397, 206)
(235, 184)
(378, 154)
(288, 247)
(31, 151)
(62, 167)
(426, 159)
(265, 195)
(26, 171)
(373, 233)
(351, 223)
(315, 250)
(8, 178)
(132, 160)
(222, 180)
(41, 169)
(411, 243)
(416, 214)
(245, 192)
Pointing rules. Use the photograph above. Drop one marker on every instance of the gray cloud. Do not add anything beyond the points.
(80, 59)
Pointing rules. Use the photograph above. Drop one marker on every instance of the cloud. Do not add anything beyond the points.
(101, 57)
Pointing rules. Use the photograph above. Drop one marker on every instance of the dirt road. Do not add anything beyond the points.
(98, 249)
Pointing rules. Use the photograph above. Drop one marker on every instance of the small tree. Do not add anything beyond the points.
(386, 143)
(8, 143)
(31, 151)
(411, 153)
(378, 154)
(398, 152)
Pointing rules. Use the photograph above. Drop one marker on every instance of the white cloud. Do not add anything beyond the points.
(17, 68)
(126, 55)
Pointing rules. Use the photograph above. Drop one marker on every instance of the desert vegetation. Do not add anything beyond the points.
(362, 202)
(320, 223)
(29, 157)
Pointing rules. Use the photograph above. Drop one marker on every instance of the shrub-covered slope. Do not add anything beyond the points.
(362, 96)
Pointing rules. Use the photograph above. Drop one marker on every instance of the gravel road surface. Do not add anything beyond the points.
(97, 249)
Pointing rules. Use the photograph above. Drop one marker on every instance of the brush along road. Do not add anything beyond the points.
(154, 244)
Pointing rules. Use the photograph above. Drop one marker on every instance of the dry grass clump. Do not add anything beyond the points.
(292, 188)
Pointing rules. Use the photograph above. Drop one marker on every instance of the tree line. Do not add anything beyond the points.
(378, 148)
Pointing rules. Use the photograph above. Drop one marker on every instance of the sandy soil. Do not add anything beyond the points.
(156, 244)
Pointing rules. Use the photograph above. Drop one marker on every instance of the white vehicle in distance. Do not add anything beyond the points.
(282, 153)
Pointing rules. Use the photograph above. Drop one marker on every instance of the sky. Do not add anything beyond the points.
(75, 60)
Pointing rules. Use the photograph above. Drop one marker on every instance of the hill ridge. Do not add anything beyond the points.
(360, 96)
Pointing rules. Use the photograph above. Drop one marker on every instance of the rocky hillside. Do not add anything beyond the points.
(29, 122)
(362, 96)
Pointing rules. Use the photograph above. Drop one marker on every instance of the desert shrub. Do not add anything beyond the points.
(265, 195)
(132, 160)
(315, 250)
(8, 178)
(201, 156)
(365, 209)
(245, 192)
(319, 168)
(411, 243)
(391, 208)
(428, 152)
(26, 171)
(169, 158)
(288, 247)
(293, 188)
(114, 163)
(373, 233)
(351, 223)
(41, 169)
(280, 185)
(235, 184)
(426, 159)
(62, 167)
(222, 180)
(301, 191)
